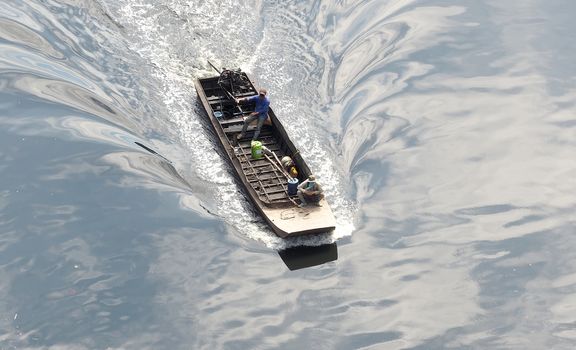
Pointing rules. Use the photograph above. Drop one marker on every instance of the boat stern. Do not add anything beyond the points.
(295, 221)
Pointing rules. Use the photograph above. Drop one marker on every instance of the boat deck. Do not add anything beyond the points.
(264, 179)
(265, 175)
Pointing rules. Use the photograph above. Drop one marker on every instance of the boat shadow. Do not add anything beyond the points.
(297, 258)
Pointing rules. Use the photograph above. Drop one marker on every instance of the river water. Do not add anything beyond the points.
(443, 132)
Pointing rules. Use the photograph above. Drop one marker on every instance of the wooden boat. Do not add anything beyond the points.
(264, 180)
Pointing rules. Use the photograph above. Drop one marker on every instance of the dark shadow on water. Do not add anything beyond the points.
(153, 151)
(302, 257)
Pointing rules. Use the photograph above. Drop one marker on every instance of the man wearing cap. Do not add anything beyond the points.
(310, 191)
(260, 112)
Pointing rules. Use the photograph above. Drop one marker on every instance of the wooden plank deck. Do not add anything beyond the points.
(266, 184)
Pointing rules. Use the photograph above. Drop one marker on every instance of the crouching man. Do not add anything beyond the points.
(310, 192)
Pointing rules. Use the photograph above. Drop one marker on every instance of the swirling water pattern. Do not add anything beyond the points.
(443, 130)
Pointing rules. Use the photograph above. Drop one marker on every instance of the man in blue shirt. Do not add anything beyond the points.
(260, 112)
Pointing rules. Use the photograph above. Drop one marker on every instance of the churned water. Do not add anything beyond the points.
(443, 132)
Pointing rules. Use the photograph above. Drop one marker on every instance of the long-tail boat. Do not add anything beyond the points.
(266, 182)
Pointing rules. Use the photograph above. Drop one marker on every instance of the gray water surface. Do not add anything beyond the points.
(443, 133)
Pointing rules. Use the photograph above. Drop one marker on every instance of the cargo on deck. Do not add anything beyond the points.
(257, 163)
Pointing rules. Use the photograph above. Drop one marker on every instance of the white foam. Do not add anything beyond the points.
(166, 36)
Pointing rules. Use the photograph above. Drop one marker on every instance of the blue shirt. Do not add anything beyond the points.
(262, 105)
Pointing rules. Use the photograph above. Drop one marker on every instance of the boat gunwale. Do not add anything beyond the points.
(284, 141)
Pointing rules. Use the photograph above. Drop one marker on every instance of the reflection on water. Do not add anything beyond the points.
(443, 133)
(302, 257)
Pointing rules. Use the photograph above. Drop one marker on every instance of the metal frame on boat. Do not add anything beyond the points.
(264, 179)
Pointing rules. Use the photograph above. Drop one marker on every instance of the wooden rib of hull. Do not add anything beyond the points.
(263, 179)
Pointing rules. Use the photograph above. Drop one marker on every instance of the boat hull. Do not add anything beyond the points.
(263, 180)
